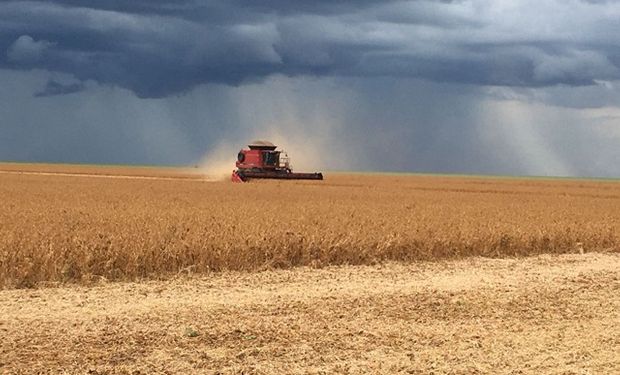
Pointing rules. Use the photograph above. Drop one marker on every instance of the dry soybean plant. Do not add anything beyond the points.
(80, 229)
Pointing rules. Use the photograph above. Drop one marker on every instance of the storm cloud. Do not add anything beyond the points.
(464, 86)
(161, 48)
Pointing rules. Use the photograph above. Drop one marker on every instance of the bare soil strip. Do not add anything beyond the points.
(199, 178)
(545, 314)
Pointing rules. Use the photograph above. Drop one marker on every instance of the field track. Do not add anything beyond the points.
(104, 171)
(539, 315)
(112, 176)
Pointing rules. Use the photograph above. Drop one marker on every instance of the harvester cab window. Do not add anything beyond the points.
(270, 158)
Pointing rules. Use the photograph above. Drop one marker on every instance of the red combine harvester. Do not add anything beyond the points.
(263, 161)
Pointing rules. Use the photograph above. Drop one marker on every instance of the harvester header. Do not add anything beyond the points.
(262, 160)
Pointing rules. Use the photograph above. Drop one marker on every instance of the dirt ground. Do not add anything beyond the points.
(545, 314)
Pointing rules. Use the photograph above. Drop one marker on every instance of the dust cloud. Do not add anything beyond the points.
(218, 163)
(306, 153)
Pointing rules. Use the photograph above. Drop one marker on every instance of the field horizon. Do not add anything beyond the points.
(198, 166)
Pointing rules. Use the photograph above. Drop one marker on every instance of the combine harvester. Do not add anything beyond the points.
(263, 161)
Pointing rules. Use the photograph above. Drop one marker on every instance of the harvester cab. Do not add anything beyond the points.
(262, 160)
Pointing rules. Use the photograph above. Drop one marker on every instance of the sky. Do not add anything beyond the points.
(518, 87)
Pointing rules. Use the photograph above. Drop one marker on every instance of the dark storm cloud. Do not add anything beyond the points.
(53, 88)
(161, 48)
(189, 8)
(26, 50)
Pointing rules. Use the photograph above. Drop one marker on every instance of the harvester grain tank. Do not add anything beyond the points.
(262, 160)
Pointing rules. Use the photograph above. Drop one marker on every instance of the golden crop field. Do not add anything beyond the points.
(73, 227)
(118, 270)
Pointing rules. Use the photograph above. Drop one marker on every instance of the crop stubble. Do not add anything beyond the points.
(80, 229)
(547, 314)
